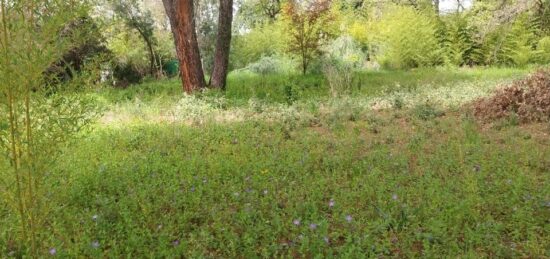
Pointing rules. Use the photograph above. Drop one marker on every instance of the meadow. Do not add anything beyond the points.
(276, 167)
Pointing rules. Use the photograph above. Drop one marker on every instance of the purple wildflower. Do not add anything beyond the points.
(176, 242)
(95, 244)
(192, 189)
(349, 218)
(477, 168)
(331, 203)
(296, 222)
(313, 226)
(53, 251)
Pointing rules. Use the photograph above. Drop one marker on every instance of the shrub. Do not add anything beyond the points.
(511, 45)
(406, 38)
(262, 41)
(342, 57)
(543, 49)
(461, 46)
(271, 65)
(128, 73)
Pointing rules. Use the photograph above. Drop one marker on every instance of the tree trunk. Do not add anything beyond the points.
(182, 22)
(223, 45)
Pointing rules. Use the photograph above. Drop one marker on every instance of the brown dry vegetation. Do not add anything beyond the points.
(528, 99)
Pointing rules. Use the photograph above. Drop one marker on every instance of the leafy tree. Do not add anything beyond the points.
(142, 21)
(255, 12)
(309, 28)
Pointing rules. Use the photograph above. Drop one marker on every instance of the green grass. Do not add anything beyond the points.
(421, 181)
(280, 88)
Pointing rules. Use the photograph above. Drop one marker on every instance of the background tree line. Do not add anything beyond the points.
(144, 38)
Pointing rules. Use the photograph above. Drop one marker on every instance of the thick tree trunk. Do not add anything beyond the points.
(223, 45)
(182, 22)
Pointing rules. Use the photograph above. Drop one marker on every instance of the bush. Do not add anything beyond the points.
(262, 41)
(342, 57)
(271, 65)
(543, 49)
(511, 45)
(461, 45)
(406, 38)
(127, 73)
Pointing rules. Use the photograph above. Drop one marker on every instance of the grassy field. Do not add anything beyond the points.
(397, 169)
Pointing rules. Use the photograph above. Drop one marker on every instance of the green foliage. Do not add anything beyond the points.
(460, 42)
(543, 50)
(427, 111)
(258, 189)
(512, 44)
(265, 40)
(272, 65)
(142, 23)
(36, 122)
(308, 25)
(406, 38)
(342, 58)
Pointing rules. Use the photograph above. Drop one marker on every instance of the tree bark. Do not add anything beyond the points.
(223, 45)
(182, 22)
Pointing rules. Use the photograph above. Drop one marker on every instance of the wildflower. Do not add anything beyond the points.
(204, 180)
(477, 168)
(159, 227)
(176, 242)
(296, 222)
(95, 244)
(326, 240)
(53, 251)
(331, 203)
(236, 194)
(349, 218)
(192, 189)
(394, 197)
(265, 192)
(94, 217)
(312, 226)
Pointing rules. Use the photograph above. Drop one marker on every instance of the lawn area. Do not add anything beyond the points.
(276, 168)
